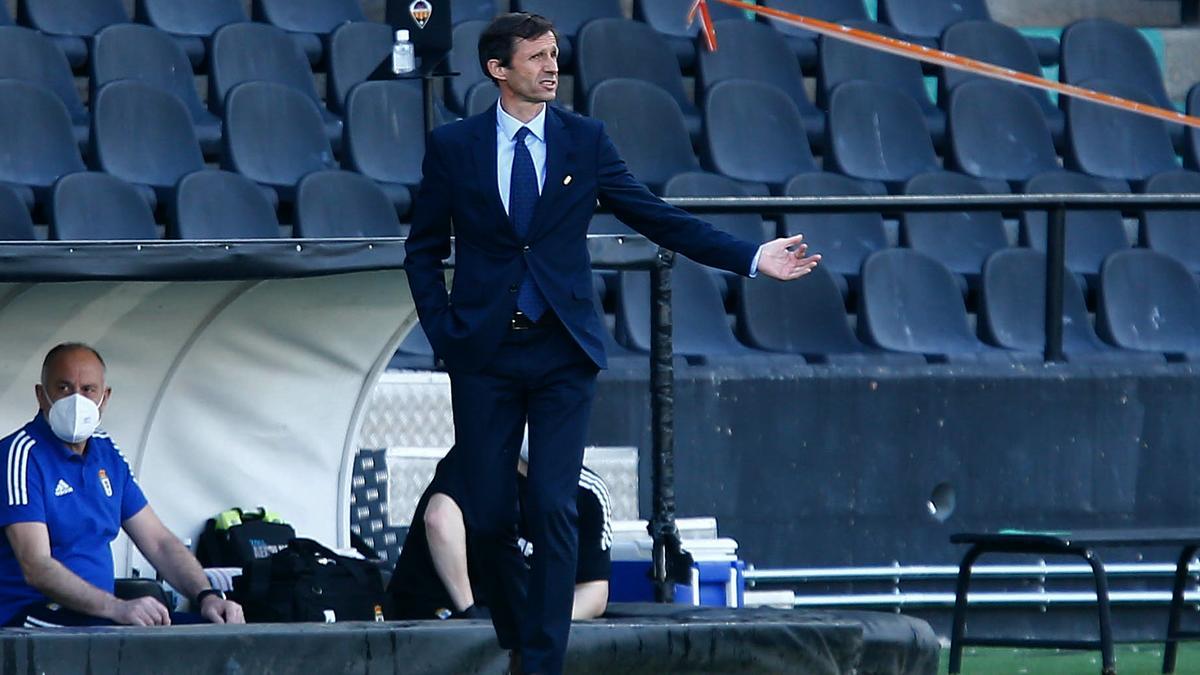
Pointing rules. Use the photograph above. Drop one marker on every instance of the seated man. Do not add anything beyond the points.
(435, 575)
(69, 492)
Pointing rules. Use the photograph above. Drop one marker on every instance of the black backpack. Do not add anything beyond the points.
(236, 538)
(308, 582)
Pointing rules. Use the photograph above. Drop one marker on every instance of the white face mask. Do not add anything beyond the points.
(74, 418)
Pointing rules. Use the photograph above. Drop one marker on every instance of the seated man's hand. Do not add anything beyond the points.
(141, 612)
(218, 610)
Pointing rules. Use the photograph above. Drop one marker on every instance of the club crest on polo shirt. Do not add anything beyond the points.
(105, 483)
(62, 488)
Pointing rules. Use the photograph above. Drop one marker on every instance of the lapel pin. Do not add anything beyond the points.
(567, 180)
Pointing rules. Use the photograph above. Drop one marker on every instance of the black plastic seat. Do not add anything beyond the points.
(995, 43)
(472, 10)
(134, 52)
(15, 221)
(669, 18)
(841, 62)
(1012, 311)
(247, 52)
(805, 317)
(754, 133)
(464, 59)
(70, 23)
(274, 136)
(37, 143)
(647, 127)
(997, 133)
(612, 48)
(5, 17)
(309, 22)
(897, 147)
(1103, 49)
(1115, 144)
(28, 55)
(755, 51)
(481, 97)
(213, 204)
(1173, 232)
(355, 51)
(1090, 235)
(190, 23)
(701, 329)
(803, 42)
(99, 206)
(569, 17)
(143, 135)
(385, 137)
(959, 240)
(930, 19)
(1149, 302)
(910, 303)
(332, 204)
(844, 240)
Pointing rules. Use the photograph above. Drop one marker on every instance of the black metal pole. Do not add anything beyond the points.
(1056, 244)
(662, 414)
(430, 103)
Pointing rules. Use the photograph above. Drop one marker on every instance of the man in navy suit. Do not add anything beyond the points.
(517, 331)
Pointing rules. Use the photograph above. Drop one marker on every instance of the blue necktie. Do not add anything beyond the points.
(522, 197)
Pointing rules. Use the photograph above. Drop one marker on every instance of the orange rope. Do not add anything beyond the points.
(905, 49)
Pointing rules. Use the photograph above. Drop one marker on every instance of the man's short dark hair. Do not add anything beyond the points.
(69, 347)
(498, 41)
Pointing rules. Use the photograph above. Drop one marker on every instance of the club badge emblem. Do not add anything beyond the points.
(420, 11)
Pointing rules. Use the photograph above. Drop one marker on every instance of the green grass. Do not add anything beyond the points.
(1132, 659)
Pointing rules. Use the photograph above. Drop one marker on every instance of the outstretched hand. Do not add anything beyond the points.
(785, 259)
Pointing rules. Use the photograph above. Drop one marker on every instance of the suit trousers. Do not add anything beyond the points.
(542, 376)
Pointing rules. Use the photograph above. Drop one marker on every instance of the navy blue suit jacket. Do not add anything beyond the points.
(459, 187)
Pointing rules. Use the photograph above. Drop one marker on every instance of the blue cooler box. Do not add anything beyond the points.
(718, 577)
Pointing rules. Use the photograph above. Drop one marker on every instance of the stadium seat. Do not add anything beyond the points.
(1149, 302)
(1103, 49)
(28, 55)
(274, 136)
(803, 42)
(1115, 144)
(143, 135)
(245, 52)
(355, 50)
(959, 240)
(611, 48)
(569, 17)
(333, 204)
(841, 62)
(37, 143)
(899, 146)
(481, 97)
(1012, 310)
(910, 303)
(929, 19)
(754, 133)
(754, 51)
(670, 19)
(414, 352)
(647, 127)
(385, 137)
(15, 222)
(1173, 232)
(844, 240)
(309, 22)
(130, 51)
(71, 22)
(5, 17)
(464, 59)
(805, 317)
(1090, 235)
(99, 206)
(1191, 151)
(213, 204)
(995, 43)
(190, 23)
(701, 329)
(472, 10)
(997, 133)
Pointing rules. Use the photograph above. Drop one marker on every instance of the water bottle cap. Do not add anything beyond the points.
(402, 35)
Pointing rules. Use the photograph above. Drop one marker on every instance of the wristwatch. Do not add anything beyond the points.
(207, 592)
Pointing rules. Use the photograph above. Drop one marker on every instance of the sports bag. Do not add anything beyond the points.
(236, 538)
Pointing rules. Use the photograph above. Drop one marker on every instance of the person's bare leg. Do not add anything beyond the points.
(447, 537)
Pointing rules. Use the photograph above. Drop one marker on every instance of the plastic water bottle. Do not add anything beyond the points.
(403, 60)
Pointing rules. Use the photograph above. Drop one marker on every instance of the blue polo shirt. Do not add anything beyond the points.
(82, 499)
